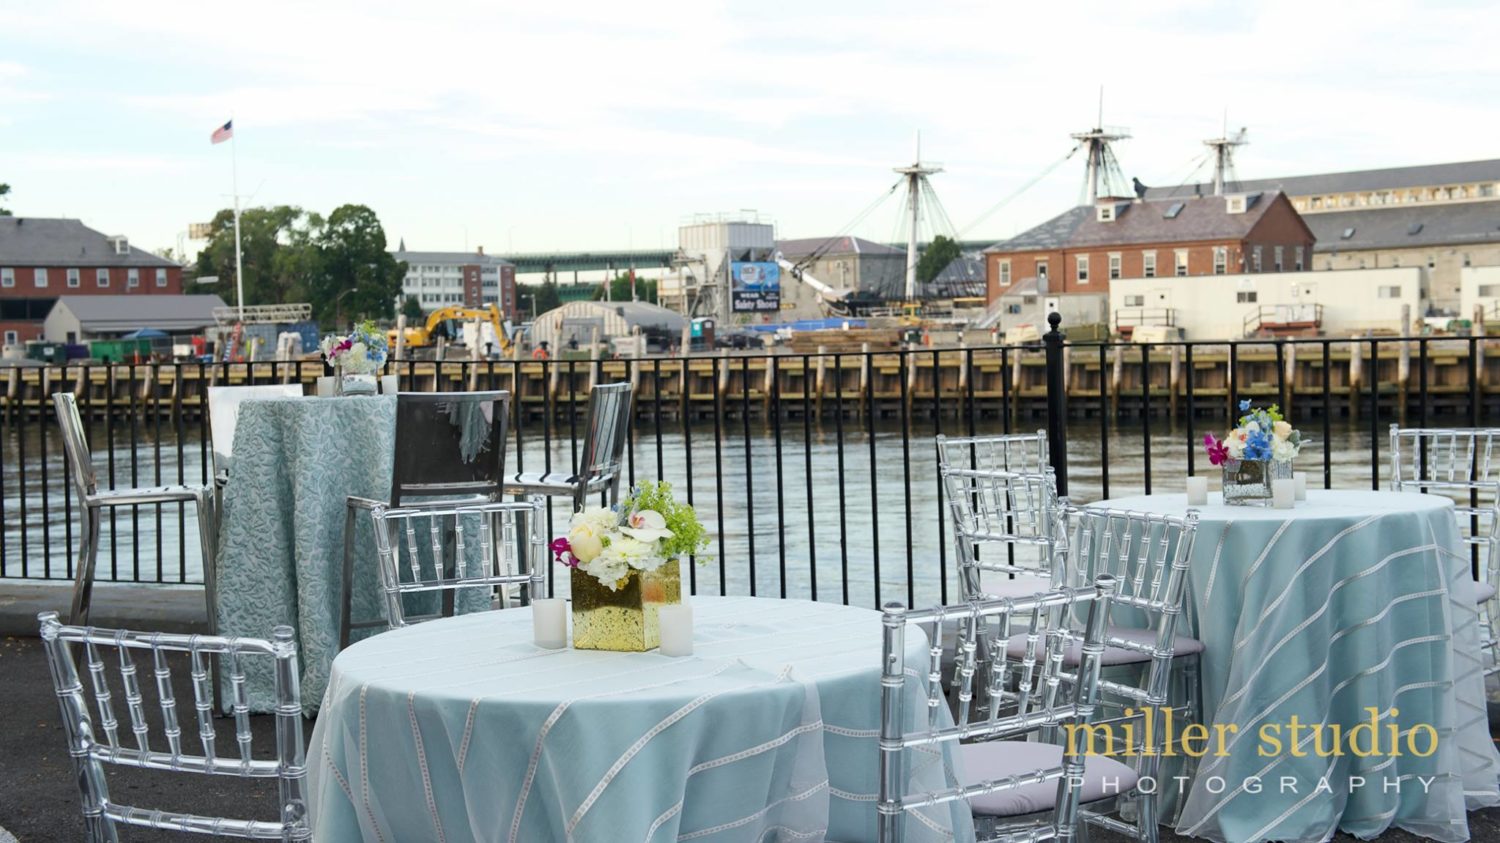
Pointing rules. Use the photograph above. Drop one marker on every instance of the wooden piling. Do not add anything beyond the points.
(1356, 377)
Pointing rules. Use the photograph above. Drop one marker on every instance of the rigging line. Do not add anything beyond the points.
(1197, 165)
(1022, 189)
(859, 218)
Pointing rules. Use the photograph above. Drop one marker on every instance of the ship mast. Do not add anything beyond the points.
(1223, 147)
(916, 177)
(1101, 161)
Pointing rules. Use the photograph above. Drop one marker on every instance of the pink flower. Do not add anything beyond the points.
(1217, 453)
(560, 548)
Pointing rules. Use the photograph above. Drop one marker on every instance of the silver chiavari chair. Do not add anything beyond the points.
(606, 429)
(102, 816)
(450, 447)
(487, 547)
(1147, 554)
(93, 501)
(1461, 464)
(1017, 789)
(1018, 516)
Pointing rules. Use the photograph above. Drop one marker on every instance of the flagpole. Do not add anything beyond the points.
(239, 265)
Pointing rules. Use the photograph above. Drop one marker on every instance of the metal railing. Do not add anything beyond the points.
(1278, 316)
(816, 471)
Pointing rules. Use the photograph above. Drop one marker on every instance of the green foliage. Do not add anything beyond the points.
(411, 309)
(355, 274)
(538, 298)
(619, 289)
(689, 537)
(4, 191)
(942, 251)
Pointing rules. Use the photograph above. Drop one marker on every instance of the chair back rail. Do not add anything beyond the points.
(607, 427)
(169, 752)
(75, 445)
(450, 443)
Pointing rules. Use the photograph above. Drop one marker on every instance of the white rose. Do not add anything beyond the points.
(1236, 447)
(584, 543)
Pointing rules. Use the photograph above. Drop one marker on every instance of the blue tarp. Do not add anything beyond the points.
(810, 325)
(145, 334)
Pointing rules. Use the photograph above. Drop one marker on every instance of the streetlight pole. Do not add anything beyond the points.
(338, 311)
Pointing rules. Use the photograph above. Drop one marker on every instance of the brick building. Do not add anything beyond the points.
(458, 279)
(1081, 250)
(42, 259)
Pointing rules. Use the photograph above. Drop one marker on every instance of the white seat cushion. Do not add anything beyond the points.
(1103, 777)
(1483, 592)
(1182, 646)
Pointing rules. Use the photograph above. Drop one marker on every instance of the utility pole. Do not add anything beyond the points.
(916, 177)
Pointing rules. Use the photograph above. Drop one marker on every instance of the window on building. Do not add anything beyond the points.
(1245, 297)
(7, 277)
(1041, 273)
(1013, 308)
(74, 279)
(1182, 264)
(1255, 259)
(1114, 265)
(1278, 258)
(1221, 260)
(1486, 190)
(12, 338)
(133, 278)
(1489, 291)
(40, 276)
(1297, 258)
(101, 278)
(1135, 301)
(161, 278)
(1467, 260)
(1083, 269)
(1005, 273)
(1391, 292)
(1396, 261)
(1148, 264)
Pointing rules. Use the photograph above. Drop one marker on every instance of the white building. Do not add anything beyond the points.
(1479, 293)
(462, 279)
(707, 246)
(1222, 307)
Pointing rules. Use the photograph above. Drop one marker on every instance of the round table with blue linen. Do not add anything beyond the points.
(281, 538)
(463, 729)
(1351, 600)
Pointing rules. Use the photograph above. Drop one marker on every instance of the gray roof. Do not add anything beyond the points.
(1390, 227)
(122, 314)
(805, 246)
(1461, 172)
(459, 258)
(43, 241)
(1144, 221)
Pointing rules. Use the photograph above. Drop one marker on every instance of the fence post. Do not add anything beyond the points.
(1057, 403)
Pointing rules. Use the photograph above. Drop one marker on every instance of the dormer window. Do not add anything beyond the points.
(1235, 205)
(1105, 213)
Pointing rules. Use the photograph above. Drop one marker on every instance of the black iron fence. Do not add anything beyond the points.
(817, 471)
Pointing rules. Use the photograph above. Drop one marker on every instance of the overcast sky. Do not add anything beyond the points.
(534, 126)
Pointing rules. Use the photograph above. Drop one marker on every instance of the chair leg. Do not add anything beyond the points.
(346, 579)
(83, 575)
(208, 537)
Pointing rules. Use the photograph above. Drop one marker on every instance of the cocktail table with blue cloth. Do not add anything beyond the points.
(281, 536)
(1352, 600)
(462, 729)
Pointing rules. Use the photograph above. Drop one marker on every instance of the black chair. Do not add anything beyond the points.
(450, 448)
(605, 432)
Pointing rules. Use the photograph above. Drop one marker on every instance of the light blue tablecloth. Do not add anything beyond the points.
(464, 730)
(1353, 599)
(295, 460)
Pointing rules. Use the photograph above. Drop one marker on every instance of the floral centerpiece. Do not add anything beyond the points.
(1255, 453)
(356, 358)
(623, 563)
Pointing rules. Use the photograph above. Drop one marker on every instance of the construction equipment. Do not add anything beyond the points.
(437, 323)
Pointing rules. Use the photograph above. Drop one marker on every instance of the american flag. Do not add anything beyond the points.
(223, 133)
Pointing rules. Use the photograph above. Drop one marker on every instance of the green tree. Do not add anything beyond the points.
(619, 289)
(940, 252)
(276, 245)
(4, 191)
(539, 298)
(356, 277)
(412, 310)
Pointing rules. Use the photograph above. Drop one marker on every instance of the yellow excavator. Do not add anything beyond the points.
(425, 335)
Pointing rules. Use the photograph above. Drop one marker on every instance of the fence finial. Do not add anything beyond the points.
(1057, 402)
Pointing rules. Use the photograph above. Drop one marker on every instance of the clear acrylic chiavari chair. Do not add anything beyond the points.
(484, 549)
(1017, 517)
(1017, 789)
(1147, 554)
(1461, 464)
(102, 815)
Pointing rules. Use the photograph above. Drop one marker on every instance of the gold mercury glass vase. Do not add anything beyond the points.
(626, 619)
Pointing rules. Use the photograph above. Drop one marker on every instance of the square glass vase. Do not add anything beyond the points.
(1248, 482)
(624, 619)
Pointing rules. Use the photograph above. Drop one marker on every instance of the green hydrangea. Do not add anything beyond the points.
(689, 537)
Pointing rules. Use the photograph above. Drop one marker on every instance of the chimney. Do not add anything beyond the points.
(481, 251)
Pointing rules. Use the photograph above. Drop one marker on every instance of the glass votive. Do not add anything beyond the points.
(676, 623)
(1197, 491)
(549, 623)
(327, 387)
(388, 384)
(1300, 478)
(1283, 493)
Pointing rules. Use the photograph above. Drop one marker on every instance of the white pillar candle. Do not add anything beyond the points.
(1197, 491)
(388, 384)
(676, 629)
(549, 623)
(327, 387)
(1300, 478)
(1283, 493)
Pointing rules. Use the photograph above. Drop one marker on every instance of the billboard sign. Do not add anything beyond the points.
(755, 286)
